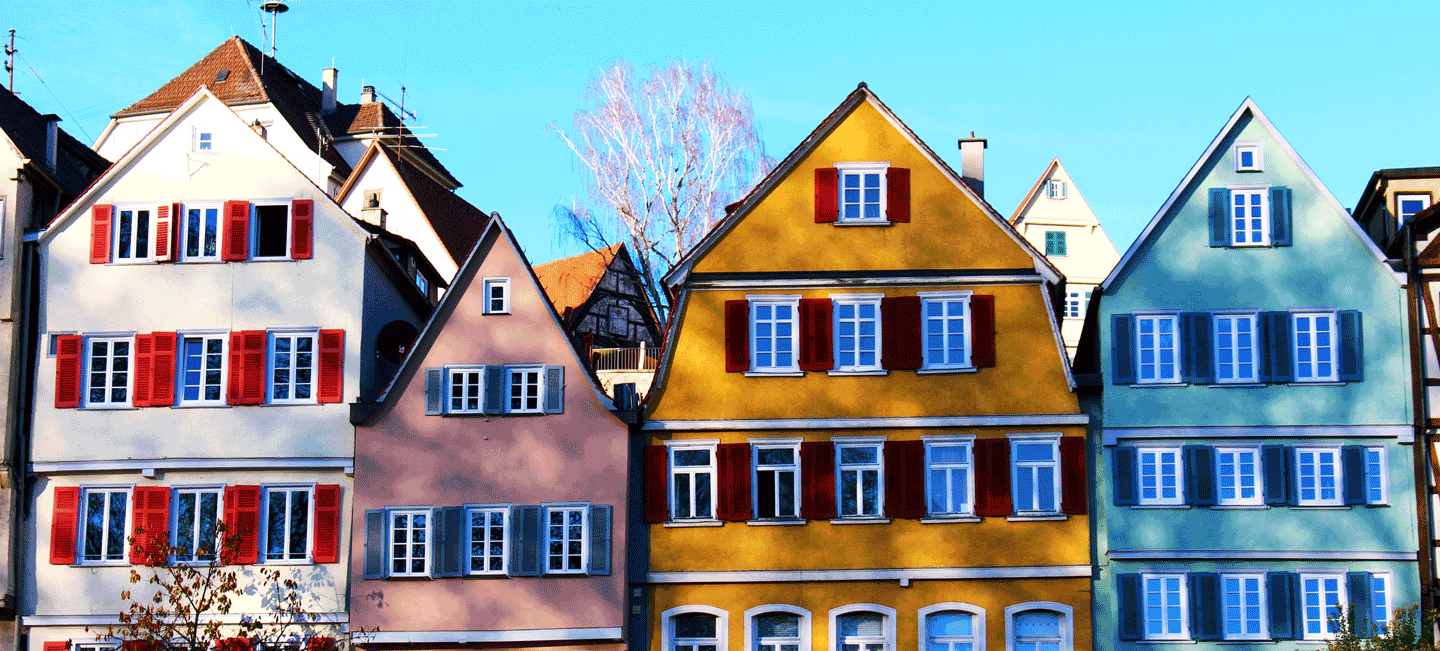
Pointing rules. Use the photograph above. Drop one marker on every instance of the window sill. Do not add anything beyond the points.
(937, 371)
(1238, 385)
(410, 577)
(274, 259)
(1241, 507)
(1317, 384)
(1322, 507)
(291, 561)
(201, 261)
(774, 373)
(1256, 641)
(106, 407)
(1158, 385)
(288, 404)
(1178, 641)
(486, 575)
(1158, 507)
(201, 406)
(865, 222)
(775, 523)
(496, 313)
(684, 524)
(860, 521)
(1037, 518)
(959, 519)
(104, 564)
(858, 372)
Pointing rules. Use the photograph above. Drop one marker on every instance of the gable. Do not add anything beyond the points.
(404, 215)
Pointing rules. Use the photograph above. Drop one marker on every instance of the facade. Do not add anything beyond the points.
(202, 329)
(854, 441)
(494, 470)
(1055, 218)
(1255, 415)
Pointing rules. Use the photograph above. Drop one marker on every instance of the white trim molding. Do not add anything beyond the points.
(230, 618)
(896, 574)
(1067, 625)
(144, 466)
(1005, 420)
(607, 634)
(887, 611)
(722, 624)
(1402, 433)
(773, 608)
(923, 615)
(1256, 555)
(863, 281)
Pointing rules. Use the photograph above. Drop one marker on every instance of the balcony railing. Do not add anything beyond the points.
(625, 359)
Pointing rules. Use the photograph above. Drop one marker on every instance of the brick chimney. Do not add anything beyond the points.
(972, 162)
(328, 80)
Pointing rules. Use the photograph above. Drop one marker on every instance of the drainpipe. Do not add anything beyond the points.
(1423, 471)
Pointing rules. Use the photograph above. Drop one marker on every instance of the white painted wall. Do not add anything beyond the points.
(403, 216)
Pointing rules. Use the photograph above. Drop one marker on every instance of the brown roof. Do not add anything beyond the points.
(457, 223)
(569, 282)
(76, 165)
(377, 118)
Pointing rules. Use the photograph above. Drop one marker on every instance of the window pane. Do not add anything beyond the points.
(952, 624)
(695, 626)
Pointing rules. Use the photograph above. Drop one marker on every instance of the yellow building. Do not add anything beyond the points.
(864, 435)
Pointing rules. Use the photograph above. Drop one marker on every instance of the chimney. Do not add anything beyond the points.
(367, 95)
(327, 90)
(972, 162)
(52, 140)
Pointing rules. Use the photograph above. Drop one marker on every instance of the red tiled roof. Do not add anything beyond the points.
(569, 282)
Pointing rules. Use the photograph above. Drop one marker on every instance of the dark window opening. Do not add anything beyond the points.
(272, 231)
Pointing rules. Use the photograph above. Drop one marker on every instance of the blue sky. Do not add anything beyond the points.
(1126, 94)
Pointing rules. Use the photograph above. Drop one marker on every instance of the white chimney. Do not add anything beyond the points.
(367, 95)
(327, 90)
(972, 162)
(52, 140)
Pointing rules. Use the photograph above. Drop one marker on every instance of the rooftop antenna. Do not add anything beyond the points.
(399, 106)
(10, 60)
(274, 8)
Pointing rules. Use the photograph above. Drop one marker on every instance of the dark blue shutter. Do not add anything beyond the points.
(1352, 465)
(600, 527)
(1125, 461)
(375, 558)
(1292, 472)
(1362, 601)
(1198, 366)
(1352, 347)
(1200, 475)
(1131, 605)
(527, 537)
(1204, 605)
(1219, 217)
(1122, 348)
(1280, 594)
(554, 389)
(1280, 216)
(1276, 328)
(497, 385)
(1277, 491)
(434, 391)
(452, 559)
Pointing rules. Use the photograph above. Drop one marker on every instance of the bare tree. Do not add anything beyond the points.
(661, 157)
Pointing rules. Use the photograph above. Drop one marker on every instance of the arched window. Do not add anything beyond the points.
(952, 627)
(1039, 626)
(862, 627)
(777, 627)
(694, 628)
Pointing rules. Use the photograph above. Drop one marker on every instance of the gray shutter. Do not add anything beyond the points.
(495, 385)
(1280, 216)
(1352, 349)
(1196, 367)
(1361, 586)
(1274, 459)
(1204, 605)
(600, 539)
(1122, 348)
(452, 556)
(434, 391)
(554, 389)
(1131, 606)
(1275, 329)
(1126, 461)
(1281, 598)
(1200, 475)
(375, 544)
(526, 541)
(437, 543)
(1352, 478)
(1219, 217)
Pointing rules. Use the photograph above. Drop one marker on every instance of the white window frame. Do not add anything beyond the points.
(773, 301)
(1314, 347)
(888, 639)
(1015, 465)
(463, 373)
(756, 445)
(855, 301)
(503, 284)
(943, 298)
(174, 538)
(182, 231)
(136, 257)
(1403, 196)
(752, 638)
(293, 335)
(1183, 596)
(1259, 476)
(512, 371)
(1263, 604)
(1339, 476)
(978, 639)
(1234, 317)
(1257, 151)
(1179, 475)
(1067, 622)
(427, 546)
(93, 646)
(878, 466)
(84, 520)
(111, 340)
(196, 139)
(487, 510)
(1156, 317)
(264, 551)
(861, 169)
(1342, 601)
(181, 358)
(667, 627)
(950, 441)
(710, 469)
(1385, 578)
(1250, 189)
(583, 508)
(255, 228)
(1382, 478)
(1055, 189)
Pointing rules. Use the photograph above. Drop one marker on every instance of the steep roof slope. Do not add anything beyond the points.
(569, 282)
(77, 164)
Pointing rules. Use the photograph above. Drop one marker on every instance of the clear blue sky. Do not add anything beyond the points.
(1127, 95)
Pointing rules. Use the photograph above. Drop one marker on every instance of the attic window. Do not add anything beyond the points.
(222, 76)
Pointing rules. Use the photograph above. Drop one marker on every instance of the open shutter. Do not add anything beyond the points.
(162, 369)
(1131, 606)
(657, 474)
(600, 531)
(1280, 216)
(1280, 595)
(1197, 365)
(327, 524)
(241, 545)
(332, 366)
(1352, 465)
(165, 232)
(900, 333)
(235, 241)
(733, 464)
(982, 330)
(897, 200)
(992, 478)
(1074, 499)
(1200, 475)
(904, 479)
(247, 368)
(495, 385)
(554, 389)
(1361, 588)
(149, 645)
(435, 398)
(1204, 605)
(827, 195)
(526, 538)
(816, 350)
(100, 218)
(737, 336)
(1275, 328)
(1352, 349)
(64, 525)
(450, 561)
(302, 227)
(150, 526)
(375, 544)
(144, 367)
(817, 473)
(60, 645)
(1122, 348)
(1125, 462)
(69, 350)
(1277, 472)
(1219, 217)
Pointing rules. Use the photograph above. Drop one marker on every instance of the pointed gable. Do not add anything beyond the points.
(570, 281)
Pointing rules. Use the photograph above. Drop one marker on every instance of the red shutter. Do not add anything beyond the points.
(241, 544)
(164, 233)
(302, 228)
(1073, 498)
(150, 535)
(177, 223)
(992, 477)
(69, 350)
(144, 365)
(905, 479)
(982, 330)
(900, 333)
(737, 336)
(733, 461)
(817, 475)
(816, 350)
(320, 644)
(100, 217)
(235, 246)
(657, 495)
(327, 524)
(162, 369)
(827, 195)
(64, 525)
(233, 644)
(247, 368)
(897, 199)
(61, 645)
(331, 353)
(137, 645)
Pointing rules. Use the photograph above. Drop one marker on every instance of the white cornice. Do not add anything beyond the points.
(1402, 433)
(230, 618)
(891, 574)
(1248, 554)
(606, 634)
(1006, 420)
(802, 283)
(149, 466)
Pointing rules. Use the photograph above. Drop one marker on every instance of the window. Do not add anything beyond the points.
(202, 370)
(488, 546)
(1314, 346)
(109, 372)
(200, 234)
(863, 631)
(1235, 348)
(105, 519)
(292, 367)
(497, 295)
(859, 479)
(772, 334)
(777, 471)
(1036, 475)
(694, 632)
(1054, 243)
(949, 482)
(952, 630)
(422, 284)
(409, 542)
(692, 471)
(287, 523)
(1317, 471)
(947, 329)
(857, 333)
(620, 320)
(1376, 490)
(1166, 611)
(197, 510)
(1322, 596)
(1160, 476)
(862, 191)
(204, 141)
(1406, 205)
(1242, 602)
(1380, 599)
(1250, 215)
(1248, 157)
(777, 632)
(525, 386)
(1238, 475)
(272, 230)
(1055, 189)
(1158, 348)
(1073, 308)
(566, 539)
(132, 233)
(466, 384)
(1039, 630)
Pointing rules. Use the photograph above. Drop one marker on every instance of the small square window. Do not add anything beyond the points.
(204, 141)
(1054, 243)
(1055, 189)
(862, 191)
(1248, 157)
(272, 230)
(1407, 205)
(497, 295)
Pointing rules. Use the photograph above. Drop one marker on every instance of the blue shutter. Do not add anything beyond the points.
(450, 523)
(554, 389)
(1362, 599)
(600, 527)
(1125, 461)
(1281, 597)
(1197, 366)
(1277, 491)
(1280, 216)
(527, 537)
(1131, 605)
(1204, 605)
(1276, 328)
(1352, 347)
(1292, 472)
(1219, 217)
(1122, 348)
(496, 386)
(375, 546)
(1200, 475)
(1352, 466)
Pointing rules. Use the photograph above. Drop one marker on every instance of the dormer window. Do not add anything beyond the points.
(1055, 189)
(1407, 205)
(1249, 157)
(862, 191)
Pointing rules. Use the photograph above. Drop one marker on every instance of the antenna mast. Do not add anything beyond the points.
(274, 8)
(10, 60)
